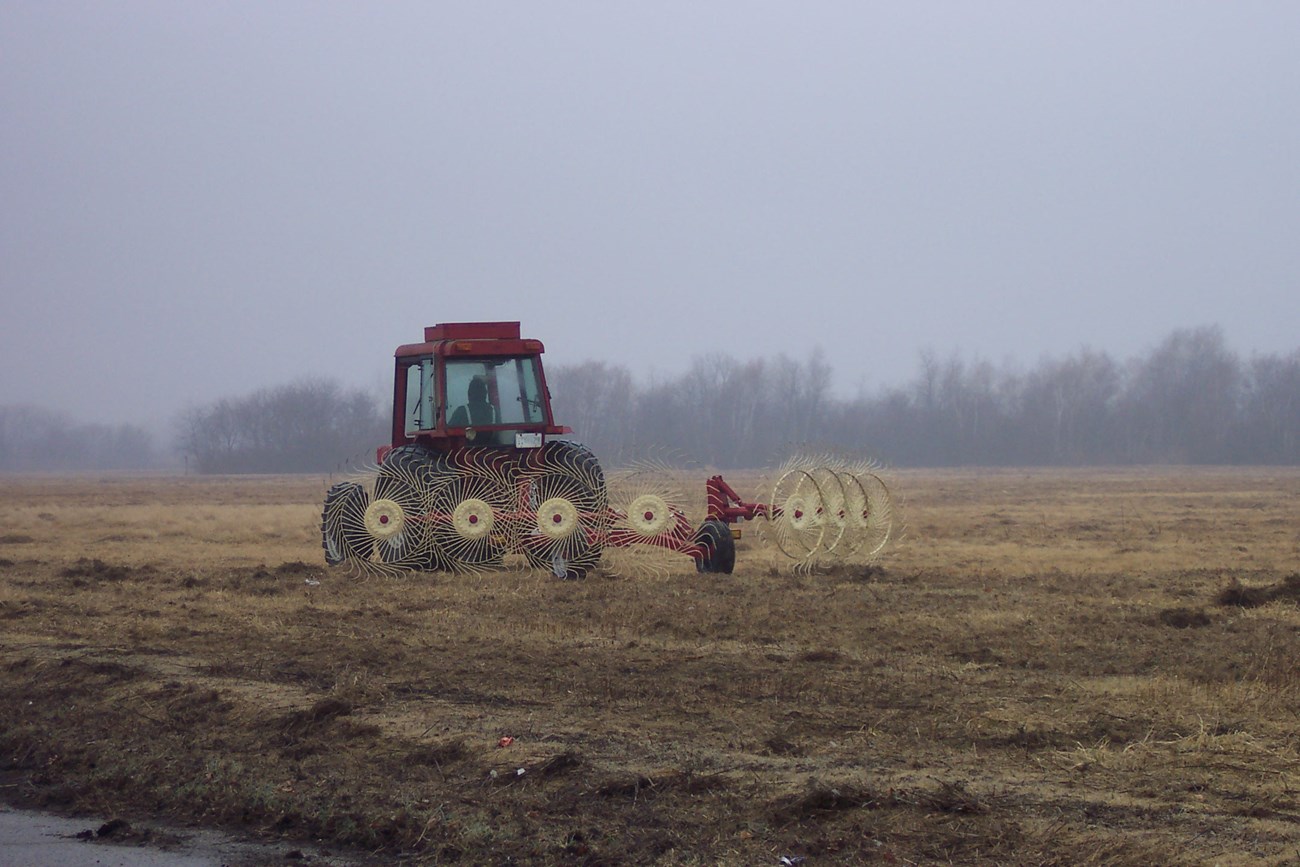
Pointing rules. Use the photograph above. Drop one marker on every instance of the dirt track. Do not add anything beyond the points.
(1041, 673)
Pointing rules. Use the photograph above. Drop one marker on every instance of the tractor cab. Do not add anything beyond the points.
(472, 384)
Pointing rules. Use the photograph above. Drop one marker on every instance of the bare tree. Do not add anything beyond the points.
(1067, 409)
(38, 439)
(1270, 425)
(1181, 401)
(597, 400)
(309, 426)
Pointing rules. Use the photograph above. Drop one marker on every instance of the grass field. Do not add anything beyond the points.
(1051, 667)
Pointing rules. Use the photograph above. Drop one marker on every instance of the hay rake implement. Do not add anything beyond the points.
(477, 478)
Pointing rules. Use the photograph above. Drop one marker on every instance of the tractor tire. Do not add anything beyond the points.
(572, 483)
(719, 547)
(342, 524)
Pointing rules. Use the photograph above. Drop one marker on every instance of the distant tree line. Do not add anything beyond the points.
(36, 439)
(1189, 400)
(308, 426)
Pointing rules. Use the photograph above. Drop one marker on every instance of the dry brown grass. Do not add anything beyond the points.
(1042, 672)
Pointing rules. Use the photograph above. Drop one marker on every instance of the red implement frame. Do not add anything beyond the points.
(725, 504)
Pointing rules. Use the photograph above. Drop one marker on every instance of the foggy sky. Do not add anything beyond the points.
(201, 199)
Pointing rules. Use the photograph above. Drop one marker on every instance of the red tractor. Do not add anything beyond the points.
(478, 477)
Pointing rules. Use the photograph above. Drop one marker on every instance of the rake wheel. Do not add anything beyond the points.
(833, 514)
(856, 514)
(396, 516)
(650, 528)
(471, 494)
(879, 525)
(567, 508)
(377, 523)
(796, 524)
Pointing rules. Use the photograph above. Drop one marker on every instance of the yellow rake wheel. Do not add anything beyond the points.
(855, 517)
(385, 519)
(557, 519)
(880, 514)
(377, 523)
(565, 496)
(650, 527)
(395, 518)
(832, 514)
(796, 523)
(472, 519)
(856, 514)
(649, 515)
(471, 491)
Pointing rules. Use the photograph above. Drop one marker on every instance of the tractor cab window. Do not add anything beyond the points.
(493, 391)
(421, 397)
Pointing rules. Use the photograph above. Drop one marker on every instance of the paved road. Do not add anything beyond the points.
(37, 840)
(30, 839)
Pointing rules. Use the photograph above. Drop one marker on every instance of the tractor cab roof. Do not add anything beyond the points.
(472, 339)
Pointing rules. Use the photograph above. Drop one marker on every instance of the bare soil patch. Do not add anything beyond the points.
(1053, 668)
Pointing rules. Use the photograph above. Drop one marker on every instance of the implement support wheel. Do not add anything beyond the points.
(719, 547)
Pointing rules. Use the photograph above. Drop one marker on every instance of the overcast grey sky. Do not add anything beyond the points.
(203, 198)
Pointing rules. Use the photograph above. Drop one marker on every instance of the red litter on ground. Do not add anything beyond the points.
(505, 741)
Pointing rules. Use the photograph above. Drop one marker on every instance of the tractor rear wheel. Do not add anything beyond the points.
(719, 547)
